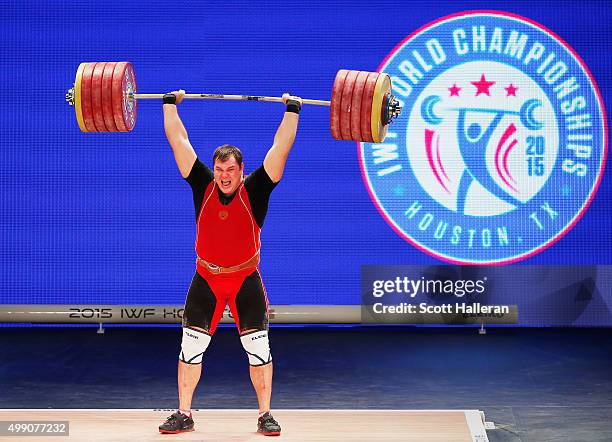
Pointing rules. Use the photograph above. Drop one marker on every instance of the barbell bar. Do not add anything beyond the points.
(229, 97)
(105, 99)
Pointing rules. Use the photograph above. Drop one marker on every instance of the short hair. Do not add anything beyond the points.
(225, 151)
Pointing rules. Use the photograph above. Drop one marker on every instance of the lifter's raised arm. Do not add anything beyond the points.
(275, 160)
(184, 155)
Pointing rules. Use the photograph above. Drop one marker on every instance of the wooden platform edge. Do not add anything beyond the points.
(475, 419)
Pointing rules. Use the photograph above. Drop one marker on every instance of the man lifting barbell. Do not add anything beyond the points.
(230, 211)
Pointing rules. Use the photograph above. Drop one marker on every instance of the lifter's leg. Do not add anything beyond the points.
(194, 344)
(261, 377)
(200, 318)
(251, 312)
(202, 313)
(188, 377)
(190, 364)
(255, 343)
(257, 347)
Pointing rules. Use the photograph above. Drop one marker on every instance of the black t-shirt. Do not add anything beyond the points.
(258, 185)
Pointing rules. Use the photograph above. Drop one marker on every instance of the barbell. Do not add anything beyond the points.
(105, 99)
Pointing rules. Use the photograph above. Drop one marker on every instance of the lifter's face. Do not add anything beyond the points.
(228, 175)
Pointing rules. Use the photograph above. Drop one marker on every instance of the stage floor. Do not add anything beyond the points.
(535, 384)
(240, 425)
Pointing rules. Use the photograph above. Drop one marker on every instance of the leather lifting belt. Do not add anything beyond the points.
(215, 269)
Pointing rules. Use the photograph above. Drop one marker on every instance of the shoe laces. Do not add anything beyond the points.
(172, 418)
(269, 419)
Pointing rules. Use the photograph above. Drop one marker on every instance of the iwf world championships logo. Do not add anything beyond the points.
(501, 144)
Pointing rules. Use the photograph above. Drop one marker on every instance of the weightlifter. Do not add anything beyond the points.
(230, 211)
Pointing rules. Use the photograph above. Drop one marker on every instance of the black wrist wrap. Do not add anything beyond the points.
(169, 99)
(293, 106)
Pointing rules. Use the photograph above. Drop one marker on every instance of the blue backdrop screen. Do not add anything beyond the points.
(107, 218)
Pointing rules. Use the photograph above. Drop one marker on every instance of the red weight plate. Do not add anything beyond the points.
(345, 106)
(124, 109)
(86, 98)
(366, 107)
(96, 97)
(129, 86)
(107, 97)
(360, 82)
(336, 101)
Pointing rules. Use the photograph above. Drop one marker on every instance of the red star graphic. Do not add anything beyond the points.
(482, 86)
(454, 90)
(511, 90)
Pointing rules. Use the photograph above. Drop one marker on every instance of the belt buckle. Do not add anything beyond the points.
(213, 268)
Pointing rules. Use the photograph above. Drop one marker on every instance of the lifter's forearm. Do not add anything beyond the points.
(184, 155)
(274, 162)
(285, 134)
(175, 131)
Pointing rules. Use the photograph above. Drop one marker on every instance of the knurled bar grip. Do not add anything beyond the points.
(231, 97)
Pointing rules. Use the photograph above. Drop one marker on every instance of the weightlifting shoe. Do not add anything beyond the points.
(177, 423)
(267, 426)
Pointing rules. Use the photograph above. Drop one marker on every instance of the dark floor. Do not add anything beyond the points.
(536, 385)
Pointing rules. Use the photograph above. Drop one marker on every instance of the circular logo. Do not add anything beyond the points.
(501, 144)
(223, 215)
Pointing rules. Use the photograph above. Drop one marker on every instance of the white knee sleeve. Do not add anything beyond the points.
(193, 346)
(257, 347)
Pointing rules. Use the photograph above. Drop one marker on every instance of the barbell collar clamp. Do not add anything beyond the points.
(70, 96)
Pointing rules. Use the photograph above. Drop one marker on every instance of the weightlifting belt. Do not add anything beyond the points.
(215, 269)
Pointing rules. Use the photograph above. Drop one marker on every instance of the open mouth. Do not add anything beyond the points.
(226, 184)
